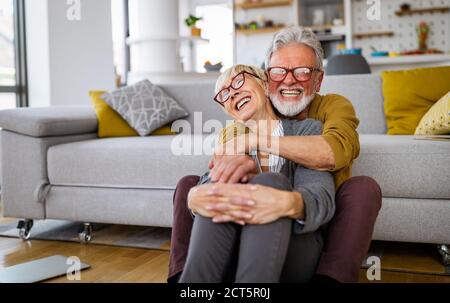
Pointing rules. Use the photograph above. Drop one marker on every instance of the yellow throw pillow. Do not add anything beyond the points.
(409, 94)
(111, 124)
(437, 120)
(163, 131)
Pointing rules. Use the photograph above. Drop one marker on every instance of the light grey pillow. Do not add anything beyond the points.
(145, 106)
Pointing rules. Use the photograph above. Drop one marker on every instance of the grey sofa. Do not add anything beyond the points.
(54, 166)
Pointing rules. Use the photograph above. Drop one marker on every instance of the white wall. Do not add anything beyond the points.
(251, 49)
(38, 56)
(67, 58)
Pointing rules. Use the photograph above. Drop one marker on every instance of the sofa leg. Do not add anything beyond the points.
(444, 250)
(85, 234)
(25, 227)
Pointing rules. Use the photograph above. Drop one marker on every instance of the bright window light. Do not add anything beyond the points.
(217, 27)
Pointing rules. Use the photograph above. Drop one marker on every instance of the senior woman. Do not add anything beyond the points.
(285, 249)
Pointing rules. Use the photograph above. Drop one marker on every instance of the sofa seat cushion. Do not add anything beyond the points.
(132, 162)
(405, 167)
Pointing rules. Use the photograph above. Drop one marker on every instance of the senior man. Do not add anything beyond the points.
(295, 70)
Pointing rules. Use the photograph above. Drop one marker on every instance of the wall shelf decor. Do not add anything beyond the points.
(409, 12)
(259, 30)
(262, 4)
(373, 34)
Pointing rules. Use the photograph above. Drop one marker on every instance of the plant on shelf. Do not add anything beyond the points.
(191, 22)
(422, 35)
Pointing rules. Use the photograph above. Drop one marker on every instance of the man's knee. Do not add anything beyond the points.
(360, 192)
(187, 182)
(183, 187)
(274, 180)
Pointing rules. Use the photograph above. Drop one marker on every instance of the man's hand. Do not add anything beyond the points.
(232, 169)
(239, 145)
(201, 201)
(264, 204)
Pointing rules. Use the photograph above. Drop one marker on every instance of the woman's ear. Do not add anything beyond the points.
(266, 89)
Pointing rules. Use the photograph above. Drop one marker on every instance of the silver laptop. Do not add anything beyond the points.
(39, 270)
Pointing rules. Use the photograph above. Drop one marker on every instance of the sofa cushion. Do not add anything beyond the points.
(145, 106)
(405, 167)
(364, 91)
(437, 120)
(111, 124)
(134, 162)
(409, 94)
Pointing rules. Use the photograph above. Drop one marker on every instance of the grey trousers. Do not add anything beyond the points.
(267, 253)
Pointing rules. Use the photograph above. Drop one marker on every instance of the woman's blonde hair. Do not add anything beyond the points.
(238, 68)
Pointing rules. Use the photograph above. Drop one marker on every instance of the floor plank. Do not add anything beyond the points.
(108, 263)
(402, 277)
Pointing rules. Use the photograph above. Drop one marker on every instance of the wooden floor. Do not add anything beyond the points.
(119, 264)
(108, 263)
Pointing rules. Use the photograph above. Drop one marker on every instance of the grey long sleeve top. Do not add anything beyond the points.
(316, 187)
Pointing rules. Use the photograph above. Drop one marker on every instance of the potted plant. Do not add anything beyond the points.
(191, 22)
(422, 35)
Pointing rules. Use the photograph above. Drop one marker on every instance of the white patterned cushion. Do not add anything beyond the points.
(145, 106)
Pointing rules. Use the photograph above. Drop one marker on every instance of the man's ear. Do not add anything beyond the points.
(319, 81)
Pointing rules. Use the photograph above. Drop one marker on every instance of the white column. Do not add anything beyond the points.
(67, 56)
(154, 38)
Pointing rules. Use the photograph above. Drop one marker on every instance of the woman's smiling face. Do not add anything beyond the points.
(246, 102)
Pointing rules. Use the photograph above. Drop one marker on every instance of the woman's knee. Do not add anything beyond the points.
(275, 180)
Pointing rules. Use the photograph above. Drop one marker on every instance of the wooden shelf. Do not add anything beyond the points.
(193, 39)
(443, 9)
(263, 4)
(259, 30)
(373, 34)
(330, 37)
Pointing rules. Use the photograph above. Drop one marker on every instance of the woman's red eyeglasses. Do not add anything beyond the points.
(236, 83)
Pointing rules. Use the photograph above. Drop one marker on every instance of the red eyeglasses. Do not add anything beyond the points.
(301, 73)
(236, 83)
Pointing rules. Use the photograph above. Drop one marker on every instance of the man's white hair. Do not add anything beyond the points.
(296, 35)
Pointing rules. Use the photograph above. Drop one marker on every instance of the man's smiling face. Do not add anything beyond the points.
(290, 96)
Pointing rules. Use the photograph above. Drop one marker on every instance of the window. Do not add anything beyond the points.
(217, 27)
(7, 55)
(12, 55)
(119, 11)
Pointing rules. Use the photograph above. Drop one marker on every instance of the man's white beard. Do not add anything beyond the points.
(291, 108)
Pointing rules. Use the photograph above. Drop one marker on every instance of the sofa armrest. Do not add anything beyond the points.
(24, 179)
(50, 121)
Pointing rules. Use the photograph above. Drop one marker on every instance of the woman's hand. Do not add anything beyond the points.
(264, 204)
(202, 201)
